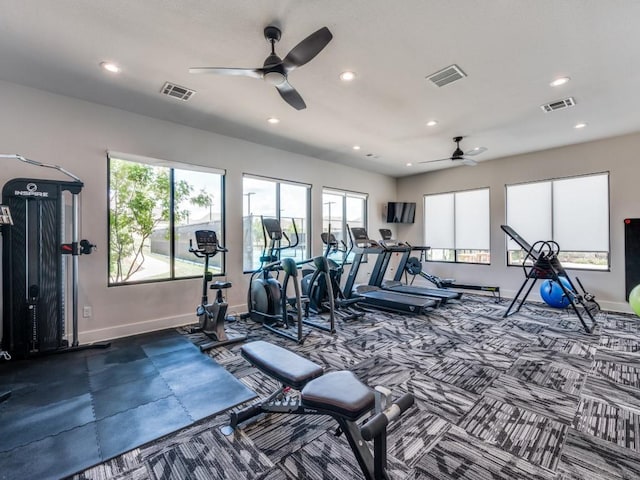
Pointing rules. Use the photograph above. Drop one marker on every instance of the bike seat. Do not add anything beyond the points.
(220, 285)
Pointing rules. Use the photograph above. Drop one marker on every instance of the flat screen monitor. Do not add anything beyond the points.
(401, 212)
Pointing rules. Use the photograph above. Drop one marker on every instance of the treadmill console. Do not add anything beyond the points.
(361, 239)
(386, 234)
(360, 235)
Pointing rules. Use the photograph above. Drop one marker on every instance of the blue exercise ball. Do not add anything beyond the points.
(553, 295)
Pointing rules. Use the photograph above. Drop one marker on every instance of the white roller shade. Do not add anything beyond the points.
(439, 221)
(529, 212)
(472, 220)
(581, 213)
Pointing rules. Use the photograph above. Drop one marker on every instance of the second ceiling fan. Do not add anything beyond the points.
(459, 155)
(275, 70)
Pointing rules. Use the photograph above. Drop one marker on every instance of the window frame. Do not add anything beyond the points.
(172, 166)
(568, 265)
(278, 209)
(346, 194)
(457, 252)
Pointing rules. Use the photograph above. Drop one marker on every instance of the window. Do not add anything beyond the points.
(286, 201)
(574, 212)
(456, 226)
(339, 209)
(154, 209)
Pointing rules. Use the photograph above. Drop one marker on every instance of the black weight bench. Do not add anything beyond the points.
(340, 395)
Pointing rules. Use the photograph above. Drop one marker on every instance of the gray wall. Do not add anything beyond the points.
(76, 134)
(615, 155)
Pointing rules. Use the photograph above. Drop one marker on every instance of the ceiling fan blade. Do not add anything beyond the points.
(475, 151)
(236, 72)
(438, 160)
(307, 49)
(291, 95)
(469, 162)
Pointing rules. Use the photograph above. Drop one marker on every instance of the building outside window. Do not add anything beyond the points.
(286, 201)
(339, 210)
(154, 209)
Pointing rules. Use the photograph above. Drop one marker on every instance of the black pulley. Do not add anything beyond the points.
(413, 266)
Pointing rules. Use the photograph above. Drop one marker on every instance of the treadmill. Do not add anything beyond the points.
(377, 277)
(374, 296)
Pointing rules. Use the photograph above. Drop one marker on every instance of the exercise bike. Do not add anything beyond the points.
(211, 316)
(267, 300)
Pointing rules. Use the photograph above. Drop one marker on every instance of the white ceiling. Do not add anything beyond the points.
(510, 50)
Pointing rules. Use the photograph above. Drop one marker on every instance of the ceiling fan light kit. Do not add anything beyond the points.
(275, 71)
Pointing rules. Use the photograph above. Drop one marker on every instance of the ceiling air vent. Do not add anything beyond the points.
(446, 76)
(558, 105)
(176, 91)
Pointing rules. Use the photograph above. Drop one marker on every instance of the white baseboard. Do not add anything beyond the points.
(136, 328)
(126, 330)
(617, 307)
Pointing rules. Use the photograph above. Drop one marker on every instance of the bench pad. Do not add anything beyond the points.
(287, 367)
(341, 393)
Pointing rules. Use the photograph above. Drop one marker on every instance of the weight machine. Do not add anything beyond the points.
(5, 219)
(34, 264)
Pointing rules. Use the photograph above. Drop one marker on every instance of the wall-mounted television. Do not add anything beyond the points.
(401, 212)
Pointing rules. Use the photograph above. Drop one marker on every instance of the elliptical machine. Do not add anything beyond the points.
(267, 300)
(211, 316)
(314, 284)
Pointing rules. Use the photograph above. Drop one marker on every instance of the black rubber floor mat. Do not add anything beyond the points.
(69, 412)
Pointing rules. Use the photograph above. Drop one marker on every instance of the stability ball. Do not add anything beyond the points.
(634, 299)
(553, 295)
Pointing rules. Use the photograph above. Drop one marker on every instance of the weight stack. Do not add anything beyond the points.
(33, 282)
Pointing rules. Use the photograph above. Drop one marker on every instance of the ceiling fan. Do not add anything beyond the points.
(275, 70)
(459, 155)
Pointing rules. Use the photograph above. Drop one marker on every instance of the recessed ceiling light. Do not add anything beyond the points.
(110, 67)
(409, 164)
(273, 120)
(356, 147)
(559, 81)
(580, 125)
(431, 123)
(347, 76)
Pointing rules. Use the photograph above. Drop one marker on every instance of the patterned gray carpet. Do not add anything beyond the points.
(527, 397)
